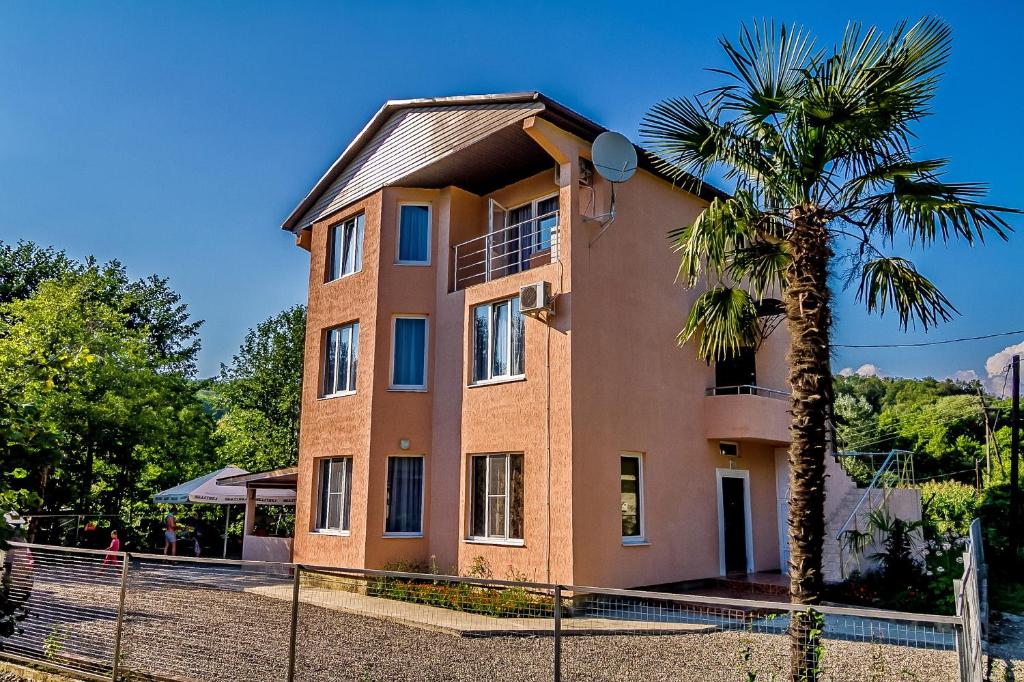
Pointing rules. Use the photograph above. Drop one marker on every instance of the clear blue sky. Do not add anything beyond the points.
(177, 136)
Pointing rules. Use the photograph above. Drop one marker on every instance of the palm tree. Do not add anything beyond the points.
(818, 143)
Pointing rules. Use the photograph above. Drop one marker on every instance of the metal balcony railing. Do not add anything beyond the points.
(506, 251)
(747, 389)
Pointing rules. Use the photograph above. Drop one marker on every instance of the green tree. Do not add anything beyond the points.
(260, 394)
(130, 419)
(818, 144)
(24, 266)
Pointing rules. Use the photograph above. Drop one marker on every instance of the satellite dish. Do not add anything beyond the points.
(614, 156)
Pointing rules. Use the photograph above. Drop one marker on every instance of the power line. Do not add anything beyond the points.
(925, 343)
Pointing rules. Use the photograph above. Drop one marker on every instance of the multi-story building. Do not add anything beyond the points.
(561, 433)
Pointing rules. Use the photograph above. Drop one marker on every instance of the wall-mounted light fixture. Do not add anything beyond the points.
(404, 444)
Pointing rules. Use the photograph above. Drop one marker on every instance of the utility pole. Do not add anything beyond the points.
(1014, 463)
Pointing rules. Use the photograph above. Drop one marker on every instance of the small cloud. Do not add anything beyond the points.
(867, 370)
(964, 376)
(995, 367)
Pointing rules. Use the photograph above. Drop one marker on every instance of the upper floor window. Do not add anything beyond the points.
(498, 341)
(414, 234)
(532, 225)
(341, 359)
(335, 492)
(345, 248)
(736, 372)
(404, 513)
(409, 353)
(497, 497)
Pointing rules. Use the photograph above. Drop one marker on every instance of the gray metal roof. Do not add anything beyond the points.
(411, 139)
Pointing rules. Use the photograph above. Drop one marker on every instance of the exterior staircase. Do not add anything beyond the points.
(847, 507)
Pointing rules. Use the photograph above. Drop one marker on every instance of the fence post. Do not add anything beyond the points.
(293, 628)
(115, 668)
(558, 634)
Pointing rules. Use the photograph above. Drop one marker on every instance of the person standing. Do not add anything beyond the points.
(170, 536)
(115, 546)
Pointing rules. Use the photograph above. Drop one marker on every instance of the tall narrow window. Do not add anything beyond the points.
(630, 489)
(405, 496)
(497, 497)
(341, 359)
(335, 483)
(345, 248)
(414, 234)
(498, 340)
(409, 354)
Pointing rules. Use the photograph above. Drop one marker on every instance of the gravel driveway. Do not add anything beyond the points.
(204, 627)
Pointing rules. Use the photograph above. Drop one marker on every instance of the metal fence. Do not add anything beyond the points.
(125, 616)
(971, 596)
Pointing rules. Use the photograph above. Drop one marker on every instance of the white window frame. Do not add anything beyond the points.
(495, 539)
(414, 388)
(640, 539)
(423, 497)
(398, 234)
(491, 378)
(745, 475)
(352, 357)
(318, 526)
(533, 203)
(358, 222)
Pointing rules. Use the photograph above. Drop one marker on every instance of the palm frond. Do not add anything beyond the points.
(883, 173)
(725, 320)
(927, 209)
(767, 66)
(894, 283)
(761, 266)
(684, 139)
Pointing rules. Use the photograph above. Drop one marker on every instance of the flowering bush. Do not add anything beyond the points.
(501, 602)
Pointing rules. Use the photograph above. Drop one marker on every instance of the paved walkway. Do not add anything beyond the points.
(467, 624)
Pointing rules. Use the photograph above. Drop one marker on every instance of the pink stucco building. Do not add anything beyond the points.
(451, 413)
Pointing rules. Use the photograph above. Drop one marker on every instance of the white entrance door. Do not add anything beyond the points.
(735, 530)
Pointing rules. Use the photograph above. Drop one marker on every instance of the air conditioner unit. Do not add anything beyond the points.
(536, 297)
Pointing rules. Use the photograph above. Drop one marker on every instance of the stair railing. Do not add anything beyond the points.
(898, 461)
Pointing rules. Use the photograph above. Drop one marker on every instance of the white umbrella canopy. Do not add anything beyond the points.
(204, 490)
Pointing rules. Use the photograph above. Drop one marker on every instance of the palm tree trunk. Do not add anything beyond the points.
(809, 316)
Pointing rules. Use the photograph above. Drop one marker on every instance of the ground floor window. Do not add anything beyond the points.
(335, 492)
(630, 492)
(497, 497)
(405, 496)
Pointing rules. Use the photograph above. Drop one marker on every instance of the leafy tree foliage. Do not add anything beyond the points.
(260, 394)
(940, 421)
(126, 409)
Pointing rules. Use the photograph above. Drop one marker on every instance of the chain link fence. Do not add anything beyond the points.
(124, 616)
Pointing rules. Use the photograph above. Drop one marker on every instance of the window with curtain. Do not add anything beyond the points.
(405, 496)
(497, 497)
(498, 341)
(531, 229)
(335, 483)
(341, 359)
(345, 248)
(414, 234)
(630, 486)
(409, 348)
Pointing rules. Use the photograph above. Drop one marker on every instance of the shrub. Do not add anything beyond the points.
(949, 506)
(501, 602)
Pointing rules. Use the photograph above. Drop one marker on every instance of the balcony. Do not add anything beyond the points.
(747, 413)
(506, 251)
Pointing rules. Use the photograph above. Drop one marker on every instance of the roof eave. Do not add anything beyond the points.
(575, 122)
